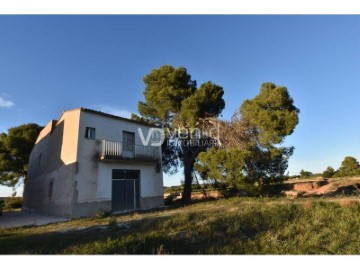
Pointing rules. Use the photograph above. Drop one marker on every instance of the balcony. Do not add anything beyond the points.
(113, 151)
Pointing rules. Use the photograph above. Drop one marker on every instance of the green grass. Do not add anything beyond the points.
(226, 226)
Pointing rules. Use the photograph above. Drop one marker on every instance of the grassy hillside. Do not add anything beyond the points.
(226, 226)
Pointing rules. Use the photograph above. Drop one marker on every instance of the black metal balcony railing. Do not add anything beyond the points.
(115, 150)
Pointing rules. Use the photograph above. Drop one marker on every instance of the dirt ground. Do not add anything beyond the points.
(195, 195)
(324, 187)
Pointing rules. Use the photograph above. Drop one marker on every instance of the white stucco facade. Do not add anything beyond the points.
(69, 176)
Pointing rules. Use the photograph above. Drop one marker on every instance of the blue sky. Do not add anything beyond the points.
(53, 63)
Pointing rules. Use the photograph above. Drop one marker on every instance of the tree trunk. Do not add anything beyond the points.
(188, 168)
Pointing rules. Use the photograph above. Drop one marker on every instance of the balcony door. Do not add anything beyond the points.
(128, 144)
(125, 190)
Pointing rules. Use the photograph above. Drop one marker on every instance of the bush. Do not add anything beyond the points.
(349, 167)
(328, 173)
(305, 174)
(100, 213)
(12, 203)
(171, 198)
(112, 224)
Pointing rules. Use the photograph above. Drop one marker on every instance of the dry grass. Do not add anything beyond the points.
(224, 226)
(308, 205)
(348, 202)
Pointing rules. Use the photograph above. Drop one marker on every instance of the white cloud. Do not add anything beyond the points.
(118, 111)
(6, 103)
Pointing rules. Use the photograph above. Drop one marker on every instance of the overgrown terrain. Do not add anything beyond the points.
(225, 226)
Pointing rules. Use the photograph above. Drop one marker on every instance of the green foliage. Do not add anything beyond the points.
(101, 213)
(165, 90)
(170, 199)
(268, 165)
(223, 165)
(349, 167)
(206, 102)
(249, 153)
(272, 113)
(305, 174)
(173, 189)
(172, 100)
(252, 170)
(171, 156)
(329, 172)
(140, 119)
(15, 148)
(112, 224)
(12, 203)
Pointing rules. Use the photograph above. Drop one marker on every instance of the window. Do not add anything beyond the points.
(51, 186)
(129, 141)
(90, 133)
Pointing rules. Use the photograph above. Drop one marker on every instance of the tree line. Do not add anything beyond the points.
(349, 167)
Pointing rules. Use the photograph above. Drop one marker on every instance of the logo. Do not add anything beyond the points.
(154, 137)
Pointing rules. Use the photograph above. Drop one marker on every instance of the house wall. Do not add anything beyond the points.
(53, 164)
(81, 183)
(94, 176)
(151, 182)
(34, 187)
(70, 136)
(151, 188)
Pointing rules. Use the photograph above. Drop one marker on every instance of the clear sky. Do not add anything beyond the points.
(53, 63)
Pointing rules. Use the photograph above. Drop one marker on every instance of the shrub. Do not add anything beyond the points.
(328, 173)
(112, 224)
(305, 174)
(100, 213)
(171, 198)
(13, 203)
(349, 167)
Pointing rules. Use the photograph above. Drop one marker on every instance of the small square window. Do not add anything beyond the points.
(90, 133)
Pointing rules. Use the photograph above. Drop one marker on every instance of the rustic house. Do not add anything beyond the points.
(89, 160)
